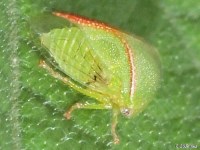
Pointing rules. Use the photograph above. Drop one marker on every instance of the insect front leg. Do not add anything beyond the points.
(114, 124)
(98, 106)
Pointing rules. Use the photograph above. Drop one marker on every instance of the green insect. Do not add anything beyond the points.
(118, 70)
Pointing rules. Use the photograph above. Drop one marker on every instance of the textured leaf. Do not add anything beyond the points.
(32, 102)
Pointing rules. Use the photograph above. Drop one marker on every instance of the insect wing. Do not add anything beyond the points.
(92, 57)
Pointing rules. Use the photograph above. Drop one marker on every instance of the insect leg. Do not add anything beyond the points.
(98, 106)
(57, 75)
(85, 106)
(114, 124)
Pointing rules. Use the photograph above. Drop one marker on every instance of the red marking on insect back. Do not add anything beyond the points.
(132, 70)
(84, 21)
(99, 25)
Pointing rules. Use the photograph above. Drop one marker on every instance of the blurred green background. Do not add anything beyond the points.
(32, 103)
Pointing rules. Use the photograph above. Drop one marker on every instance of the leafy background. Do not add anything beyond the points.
(32, 103)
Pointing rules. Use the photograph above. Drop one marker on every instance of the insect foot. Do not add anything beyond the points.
(67, 115)
(42, 63)
(116, 141)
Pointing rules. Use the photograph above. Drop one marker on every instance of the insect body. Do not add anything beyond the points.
(119, 71)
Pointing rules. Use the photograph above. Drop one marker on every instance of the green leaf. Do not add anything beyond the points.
(32, 102)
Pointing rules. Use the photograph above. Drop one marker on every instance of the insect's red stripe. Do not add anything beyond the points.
(85, 21)
(89, 22)
(132, 69)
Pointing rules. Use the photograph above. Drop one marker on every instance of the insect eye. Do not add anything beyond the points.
(127, 112)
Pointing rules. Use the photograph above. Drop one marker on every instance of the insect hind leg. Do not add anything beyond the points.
(70, 83)
(85, 106)
(57, 75)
